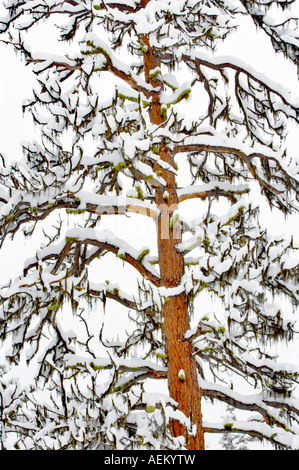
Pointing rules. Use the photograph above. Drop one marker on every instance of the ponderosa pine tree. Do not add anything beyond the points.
(179, 125)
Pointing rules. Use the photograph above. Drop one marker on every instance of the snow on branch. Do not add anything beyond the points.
(127, 365)
(108, 61)
(289, 103)
(278, 437)
(241, 96)
(17, 212)
(260, 403)
(270, 161)
(282, 31)
(123, 149)
(104, 242)
(210, 190)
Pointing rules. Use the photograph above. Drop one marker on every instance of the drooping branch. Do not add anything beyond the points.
(121, 250)
(77, 203)
(116, 67)
(127, 255)
(250, 403)
(118, 6)
(143, 367)
(95, 48)
(258, 430)
(247, 159)
(219, 64)
(113, 293)
(206, 192)
(283, 34)
(274, 380)
(133, 132)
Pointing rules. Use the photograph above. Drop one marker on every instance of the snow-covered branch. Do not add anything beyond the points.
(268, 159)
(282, 31)
(127, 365)
(137, 114)
(260, 403)
(289, 103)
(279, 438)
(103, 242)
(210, 190)
(16, 212)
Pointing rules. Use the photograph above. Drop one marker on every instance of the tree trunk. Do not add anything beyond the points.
(182, 373)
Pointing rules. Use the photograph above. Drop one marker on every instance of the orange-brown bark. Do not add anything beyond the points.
(176, 319)
(185, 391)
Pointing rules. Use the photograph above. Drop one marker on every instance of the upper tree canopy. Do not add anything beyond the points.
(101, 153)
